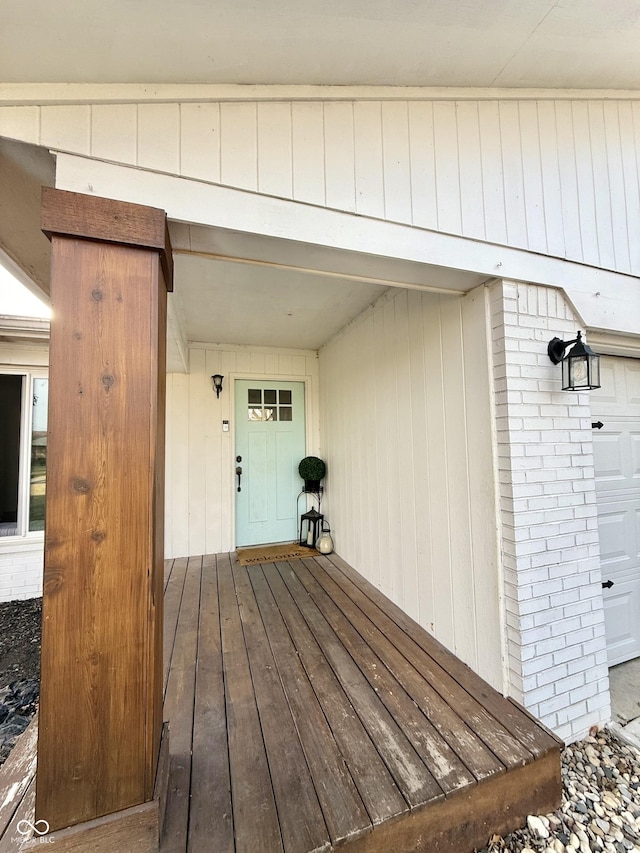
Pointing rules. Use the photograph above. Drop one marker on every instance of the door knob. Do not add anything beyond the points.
(239, 475)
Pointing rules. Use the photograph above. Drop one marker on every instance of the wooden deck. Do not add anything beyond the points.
(309, 713)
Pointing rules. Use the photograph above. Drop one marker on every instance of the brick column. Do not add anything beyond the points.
(557, 660)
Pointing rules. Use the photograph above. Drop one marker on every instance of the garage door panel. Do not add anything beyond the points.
(613, 538)
(609, 456)
(616, 449)
(632, 377)
(622, 621)
(634, 439)
(610, 391)
(620, 390)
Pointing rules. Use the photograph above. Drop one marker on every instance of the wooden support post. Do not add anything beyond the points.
(101, 682)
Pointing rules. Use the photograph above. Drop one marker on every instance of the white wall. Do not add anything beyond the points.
(559, 177)
(200, 494)
(407, 435)
(553, 599)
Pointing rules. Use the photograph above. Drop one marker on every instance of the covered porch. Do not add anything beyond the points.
(308, 712)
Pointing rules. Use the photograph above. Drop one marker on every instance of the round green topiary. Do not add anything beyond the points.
(312, 468)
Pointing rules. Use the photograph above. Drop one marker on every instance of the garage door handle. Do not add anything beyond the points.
(607, 584)
(597, 425)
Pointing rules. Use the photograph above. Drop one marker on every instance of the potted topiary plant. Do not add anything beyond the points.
(312, 470)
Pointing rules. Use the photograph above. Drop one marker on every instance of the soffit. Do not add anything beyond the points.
(246, 289)
(479, 43)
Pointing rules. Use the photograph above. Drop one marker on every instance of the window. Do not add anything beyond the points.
(23, 452)
(269, 405)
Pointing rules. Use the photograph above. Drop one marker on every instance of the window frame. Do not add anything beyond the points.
(28, 374)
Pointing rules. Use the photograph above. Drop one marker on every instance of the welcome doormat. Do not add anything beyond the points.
(269, 553)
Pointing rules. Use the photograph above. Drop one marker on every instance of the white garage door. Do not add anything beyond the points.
(617, 463)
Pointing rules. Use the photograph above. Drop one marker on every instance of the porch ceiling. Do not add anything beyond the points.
(249, 289)
(511, 43)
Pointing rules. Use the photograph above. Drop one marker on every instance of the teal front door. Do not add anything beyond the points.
(270, 442)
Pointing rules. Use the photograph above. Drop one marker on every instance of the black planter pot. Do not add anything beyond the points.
(312, 486)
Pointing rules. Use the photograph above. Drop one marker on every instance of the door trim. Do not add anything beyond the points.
(308, 425)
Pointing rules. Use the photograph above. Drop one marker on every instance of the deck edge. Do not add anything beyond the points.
(464, 821)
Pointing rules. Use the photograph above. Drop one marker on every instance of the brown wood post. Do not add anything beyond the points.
(101, 682)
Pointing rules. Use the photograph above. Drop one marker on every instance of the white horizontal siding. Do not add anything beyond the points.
(558, 177)
(21, 567)
(407, 435)
(199, 504)
(16, 355)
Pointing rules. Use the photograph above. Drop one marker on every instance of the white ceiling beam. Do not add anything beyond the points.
(606, 299)
(50, 94)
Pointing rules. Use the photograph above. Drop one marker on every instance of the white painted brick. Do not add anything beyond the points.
(552, 674)
(541, 694)
(553, 644)
(572, 683)
(538, 664)
(555, 703)
(567, 627)
(593, 618)
(546, 466)
(581, 664)
(587, 691)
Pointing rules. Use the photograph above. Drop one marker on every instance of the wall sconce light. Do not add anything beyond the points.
(580, 367)
(217, 383)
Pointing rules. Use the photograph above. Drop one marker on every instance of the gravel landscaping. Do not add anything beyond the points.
(600, 804)
(19, 668)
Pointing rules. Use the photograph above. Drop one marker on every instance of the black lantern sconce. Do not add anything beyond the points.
(580, 367)
(310, 527)
(217, 383)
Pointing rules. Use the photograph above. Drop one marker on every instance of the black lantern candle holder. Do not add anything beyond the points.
(310, 527)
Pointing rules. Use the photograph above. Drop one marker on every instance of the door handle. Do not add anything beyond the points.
(239, 475)
(607, 584)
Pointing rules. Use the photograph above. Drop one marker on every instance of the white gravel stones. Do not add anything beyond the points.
(600, 810)
(537, 827)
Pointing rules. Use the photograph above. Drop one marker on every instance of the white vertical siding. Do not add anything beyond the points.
(275, 170)
(558, 177)
(410, 479)
(199, 506)
(200, 141)
(114, 132)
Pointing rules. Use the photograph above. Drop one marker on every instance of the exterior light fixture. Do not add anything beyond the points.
(217, 383)
(580, 367)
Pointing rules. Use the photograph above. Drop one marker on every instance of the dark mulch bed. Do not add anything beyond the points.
(20, 623)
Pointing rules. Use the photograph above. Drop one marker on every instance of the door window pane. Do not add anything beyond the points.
(38, 483)
(269, 404)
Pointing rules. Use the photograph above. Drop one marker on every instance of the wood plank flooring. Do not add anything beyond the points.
(309, 713)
